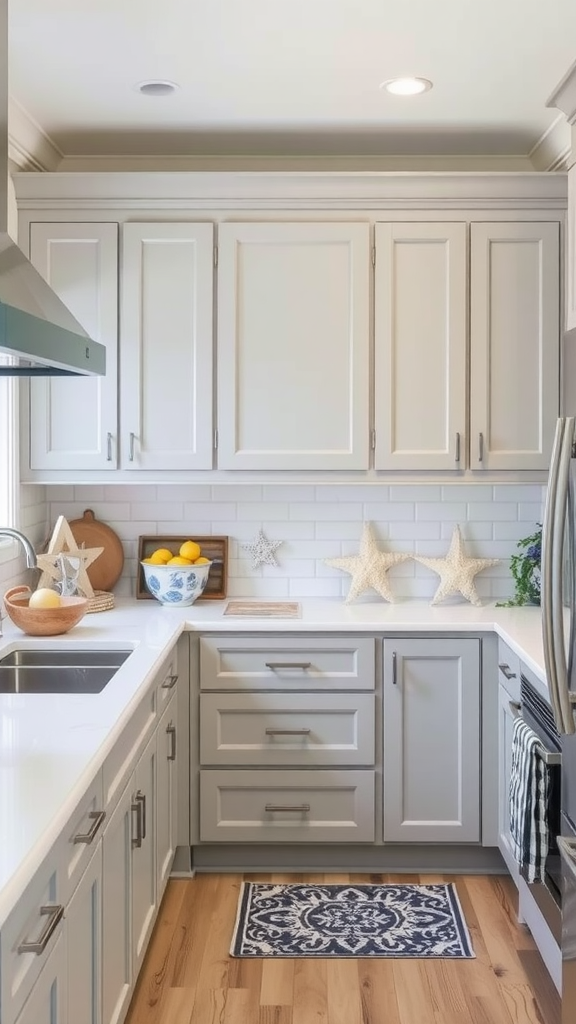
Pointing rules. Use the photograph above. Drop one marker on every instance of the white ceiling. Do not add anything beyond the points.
(290, 78)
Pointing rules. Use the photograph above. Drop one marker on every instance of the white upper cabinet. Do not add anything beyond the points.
(514, 344)
(570, 319)
(74, 420)
(293, 346)
(166, 350)
(420, 346)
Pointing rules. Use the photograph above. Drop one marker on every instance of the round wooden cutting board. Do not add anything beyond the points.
(105, 571)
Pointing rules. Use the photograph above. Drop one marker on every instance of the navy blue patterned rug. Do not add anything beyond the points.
(350, 921)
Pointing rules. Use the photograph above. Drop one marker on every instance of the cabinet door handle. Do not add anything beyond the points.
(54, 913)
(274, 665)
(394, 668)
(273, 808)
(480, 447)
(287, 732)
(171, 732)
(131, 448)
(457, 455)
(108, 447)
(138, 807)
(169, 682)
(96, 817)
(507, 671)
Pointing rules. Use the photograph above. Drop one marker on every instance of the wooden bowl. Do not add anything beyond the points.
(43, 621)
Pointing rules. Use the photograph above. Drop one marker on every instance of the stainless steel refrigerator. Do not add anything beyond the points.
(558, 593)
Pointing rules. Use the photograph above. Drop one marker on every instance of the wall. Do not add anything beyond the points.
(315, 522)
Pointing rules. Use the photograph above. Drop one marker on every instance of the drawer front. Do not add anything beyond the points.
(509, 670)
(287, 806)
(287, 663)
(300, 729)
(35, 919)
(168, 679)
(81, 837)
(121, 760)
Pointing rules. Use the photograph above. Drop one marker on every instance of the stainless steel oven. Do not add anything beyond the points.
(567, 844)
(537, 713)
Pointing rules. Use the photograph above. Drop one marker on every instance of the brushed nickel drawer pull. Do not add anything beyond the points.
(394, 668)
(288, 664)
(287, 732)
(507, 671)
(96, 817)
(108, 447)
(131, 447)
(136, 807)
(480, 447)
(169, 682)
(272, 808)
(54, 913)
(171, 732)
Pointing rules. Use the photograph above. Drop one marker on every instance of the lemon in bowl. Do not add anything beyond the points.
(177, 583)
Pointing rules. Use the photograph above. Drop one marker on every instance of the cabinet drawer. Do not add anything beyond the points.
(81, 837)
(120, 762)
(36, 918)
(287, 806)
(286, 663)
(509, 670)
(287, 729)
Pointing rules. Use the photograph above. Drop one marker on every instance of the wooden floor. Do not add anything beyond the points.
(188, 977)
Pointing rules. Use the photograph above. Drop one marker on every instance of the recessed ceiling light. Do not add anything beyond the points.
(407, 86)
(156, 87)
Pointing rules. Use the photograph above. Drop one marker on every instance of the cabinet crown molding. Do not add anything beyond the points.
(564, 95)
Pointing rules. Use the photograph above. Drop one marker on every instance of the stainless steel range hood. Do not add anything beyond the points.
(38, 334)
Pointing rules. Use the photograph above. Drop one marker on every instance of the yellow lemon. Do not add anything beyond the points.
(201, 561)
(44, 598)
(160, 556)
(178, 560)
(190, 549)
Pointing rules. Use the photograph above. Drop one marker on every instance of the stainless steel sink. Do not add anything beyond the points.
(36, 671)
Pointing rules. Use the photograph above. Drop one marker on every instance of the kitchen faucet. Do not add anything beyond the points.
(6, 531)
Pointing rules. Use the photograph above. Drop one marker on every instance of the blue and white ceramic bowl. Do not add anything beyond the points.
(176, 585)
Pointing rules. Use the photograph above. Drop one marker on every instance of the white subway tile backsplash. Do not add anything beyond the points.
(314, 522)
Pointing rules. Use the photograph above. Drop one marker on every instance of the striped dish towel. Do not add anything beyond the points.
(528, 802)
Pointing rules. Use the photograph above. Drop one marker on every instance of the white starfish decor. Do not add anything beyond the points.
(457, 571)
(65, 561)
(369, 568)
(262, 550)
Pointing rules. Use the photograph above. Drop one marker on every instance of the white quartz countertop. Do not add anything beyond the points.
(52, 745)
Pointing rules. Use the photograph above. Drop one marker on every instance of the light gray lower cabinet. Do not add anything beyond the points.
(47, 1002)
(167, 794)
(286, 756)
(84, 937)
(508, 703)
(431, 740)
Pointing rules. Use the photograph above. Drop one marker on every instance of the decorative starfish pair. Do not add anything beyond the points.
(370, 567)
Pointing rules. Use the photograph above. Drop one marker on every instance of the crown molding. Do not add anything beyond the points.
(267, 164)
(564, 95)
(552, 150)
(29, 146)
(290, 190)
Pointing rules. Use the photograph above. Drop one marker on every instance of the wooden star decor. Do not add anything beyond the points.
(369, 568)
(457, 571)
(65, 561)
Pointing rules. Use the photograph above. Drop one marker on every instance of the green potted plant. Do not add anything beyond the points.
(525, 569)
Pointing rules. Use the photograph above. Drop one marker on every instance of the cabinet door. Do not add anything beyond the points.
(293, 346)
(571, 252)
(505, 725)
(515, 344)
(420, 346)
(166, 351)
(73, 420)
(117, 911)
(431, 705)
(143, 853)
(167, 800)
(84, 937)
(47, 1001)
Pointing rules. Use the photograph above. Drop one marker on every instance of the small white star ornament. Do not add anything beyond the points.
(63, 549)
(262, 550)
(457, 571)
(369, 568)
